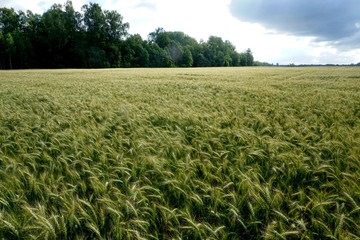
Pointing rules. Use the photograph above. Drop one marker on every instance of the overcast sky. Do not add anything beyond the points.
(277, 31)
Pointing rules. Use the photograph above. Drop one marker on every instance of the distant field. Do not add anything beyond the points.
(217, 153)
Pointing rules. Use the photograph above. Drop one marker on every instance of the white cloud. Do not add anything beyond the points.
(202, 18)
(332, 26)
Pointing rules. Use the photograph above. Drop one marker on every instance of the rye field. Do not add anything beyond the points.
(207, 153)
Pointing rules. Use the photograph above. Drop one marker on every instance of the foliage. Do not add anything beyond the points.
(216, 153)
(96, 38)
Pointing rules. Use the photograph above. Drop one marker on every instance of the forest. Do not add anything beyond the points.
(95, 38)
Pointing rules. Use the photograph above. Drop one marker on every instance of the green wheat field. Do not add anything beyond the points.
(207, 153)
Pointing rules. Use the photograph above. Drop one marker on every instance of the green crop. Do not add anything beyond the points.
(217, 153)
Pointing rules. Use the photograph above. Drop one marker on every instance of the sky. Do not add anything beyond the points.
(277, 31)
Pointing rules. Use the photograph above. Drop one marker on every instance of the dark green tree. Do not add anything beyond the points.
(9, 20)
(134, 52)
(179, 46)
(95, 29)
(247, 58)
(214, 51)
(158, 57)
(2, 51)
(9, 47)
(9, 26)
(201, 61)
(62, 37)
(104, 31)
(116, 31)
(115, 28)
(55, 36)
(187, 60)
(176, 52)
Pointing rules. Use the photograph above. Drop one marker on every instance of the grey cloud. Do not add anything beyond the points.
(11, 4)
(333, 21)
(45, 5)
(146, 4)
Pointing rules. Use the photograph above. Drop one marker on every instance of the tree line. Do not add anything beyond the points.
(95, 38)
